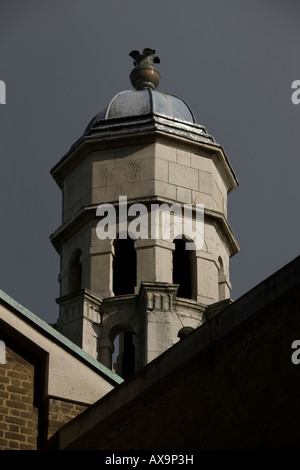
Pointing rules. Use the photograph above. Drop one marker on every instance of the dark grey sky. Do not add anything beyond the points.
(233, 61)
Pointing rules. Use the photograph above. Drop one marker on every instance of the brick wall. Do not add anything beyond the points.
(61, 412)
(18, 414)
(23, 425)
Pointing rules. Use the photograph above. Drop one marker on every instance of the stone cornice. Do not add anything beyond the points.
(137, 130)
(83, 294)
(88, 213)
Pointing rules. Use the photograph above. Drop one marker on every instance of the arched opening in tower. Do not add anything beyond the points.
(182, 269)
(124, 267)
(75, 272)
(123, 359)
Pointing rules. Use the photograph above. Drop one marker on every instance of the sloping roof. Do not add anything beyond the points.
(71, 373)
(57, 337)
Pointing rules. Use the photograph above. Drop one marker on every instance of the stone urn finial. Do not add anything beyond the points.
(144, 75)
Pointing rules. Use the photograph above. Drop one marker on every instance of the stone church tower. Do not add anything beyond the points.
(125, 299)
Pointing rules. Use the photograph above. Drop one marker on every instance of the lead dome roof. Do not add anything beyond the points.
(144, 110)
(144, 102)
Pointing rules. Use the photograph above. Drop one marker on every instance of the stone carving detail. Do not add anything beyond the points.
(159, 301)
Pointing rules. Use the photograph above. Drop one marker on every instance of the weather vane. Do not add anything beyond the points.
(144, 75)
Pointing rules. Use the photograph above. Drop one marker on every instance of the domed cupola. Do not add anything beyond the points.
(145, 108)
(145, 102)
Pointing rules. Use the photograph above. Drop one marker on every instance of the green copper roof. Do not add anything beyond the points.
(58, 338)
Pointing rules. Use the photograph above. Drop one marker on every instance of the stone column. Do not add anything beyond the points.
(157, 299)
(79, 320)
(154, 261)
(207, 278)
(106, 351)
(101, 269)
(224, 287)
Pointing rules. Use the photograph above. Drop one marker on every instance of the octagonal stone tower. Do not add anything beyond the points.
(144, 149)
